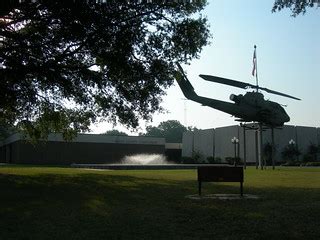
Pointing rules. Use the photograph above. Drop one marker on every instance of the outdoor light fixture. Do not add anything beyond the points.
(235, 142)
(292, 142)
(294, 147)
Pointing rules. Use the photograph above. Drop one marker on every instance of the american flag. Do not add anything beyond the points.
(254, 61)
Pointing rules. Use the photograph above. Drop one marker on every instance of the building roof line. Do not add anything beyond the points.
(93, 138)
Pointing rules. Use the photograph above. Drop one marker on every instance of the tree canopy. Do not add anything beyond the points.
(171, 130)
(67, 64)
(115, 132)
(296, 6)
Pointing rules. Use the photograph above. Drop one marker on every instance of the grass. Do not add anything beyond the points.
(65, 203)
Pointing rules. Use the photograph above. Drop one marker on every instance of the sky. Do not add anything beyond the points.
(288, 59)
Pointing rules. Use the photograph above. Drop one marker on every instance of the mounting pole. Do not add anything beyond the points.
(185, 111)
(244, 148)
(273, 148)
(260, 146)
(257, 151)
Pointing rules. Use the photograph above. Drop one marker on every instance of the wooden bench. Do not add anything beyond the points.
(220, 174)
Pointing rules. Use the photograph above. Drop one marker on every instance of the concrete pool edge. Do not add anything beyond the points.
(144, 167)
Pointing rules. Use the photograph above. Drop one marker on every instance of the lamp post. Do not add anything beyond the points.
(292, 142)
(292, 146)
(235, 142)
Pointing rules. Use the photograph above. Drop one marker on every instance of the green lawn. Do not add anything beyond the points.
(64, 203)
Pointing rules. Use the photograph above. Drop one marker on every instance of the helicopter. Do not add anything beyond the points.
(250, 107)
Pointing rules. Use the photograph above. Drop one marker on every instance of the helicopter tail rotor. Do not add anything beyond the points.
(185, 85)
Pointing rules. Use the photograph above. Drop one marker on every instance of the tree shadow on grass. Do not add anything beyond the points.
(112, 206)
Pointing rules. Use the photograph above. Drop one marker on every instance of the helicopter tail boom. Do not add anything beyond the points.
(190, 94)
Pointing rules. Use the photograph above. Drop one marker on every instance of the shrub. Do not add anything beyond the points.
(213, 160)
(187, 160)
(230, 160)
(308, 158)
(292, 163)
(210, 160)
(196, 157)
(312, 164)
(312, 153)
(290, 153)
(267, 153)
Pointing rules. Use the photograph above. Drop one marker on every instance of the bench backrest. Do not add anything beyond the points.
(220, 174)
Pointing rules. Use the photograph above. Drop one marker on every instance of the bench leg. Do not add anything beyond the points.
(199, 187)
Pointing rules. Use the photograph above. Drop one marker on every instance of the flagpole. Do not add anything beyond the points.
(256, 62)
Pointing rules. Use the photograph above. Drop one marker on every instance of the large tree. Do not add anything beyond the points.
(171, 130)
(296, 6)
(115, 132)
(65, 64)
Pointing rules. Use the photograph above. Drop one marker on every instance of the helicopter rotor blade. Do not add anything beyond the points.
(278, 93)
(243, 85)
(226, 81)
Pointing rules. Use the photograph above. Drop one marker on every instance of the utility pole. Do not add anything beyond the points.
(185, 112)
